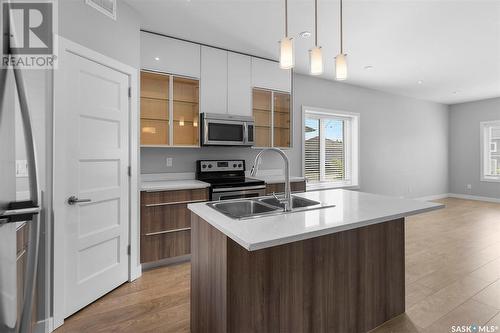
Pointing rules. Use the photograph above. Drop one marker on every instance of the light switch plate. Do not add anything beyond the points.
(21, 168)
(170, 162)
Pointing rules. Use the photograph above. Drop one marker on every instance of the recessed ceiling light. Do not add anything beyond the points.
(157, 58)
(305, 34)
(420, 82)
(368, 67)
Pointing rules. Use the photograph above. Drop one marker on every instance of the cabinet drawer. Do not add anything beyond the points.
(167, 210)
(166, 245)
(170, 198)
(280, 188)
(164, 218)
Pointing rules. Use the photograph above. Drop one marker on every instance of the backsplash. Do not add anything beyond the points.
(154, 160)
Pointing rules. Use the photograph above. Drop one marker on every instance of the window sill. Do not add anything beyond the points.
(490, 179)
(330, 186)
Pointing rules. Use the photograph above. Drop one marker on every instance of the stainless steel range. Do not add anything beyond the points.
(227, 180)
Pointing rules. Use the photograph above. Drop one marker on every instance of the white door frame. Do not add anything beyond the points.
(60, 105)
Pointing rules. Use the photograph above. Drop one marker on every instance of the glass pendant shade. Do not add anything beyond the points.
(286, 53)
(315, 61)
(341, 67)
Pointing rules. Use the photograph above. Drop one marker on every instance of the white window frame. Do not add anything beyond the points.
(485, 150)
(351, 144)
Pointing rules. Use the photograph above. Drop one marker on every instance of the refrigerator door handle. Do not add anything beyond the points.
(34, 232)
(23, 211)
(18, 215)
(24, 324)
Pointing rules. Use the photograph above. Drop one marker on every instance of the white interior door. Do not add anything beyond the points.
(91, 165)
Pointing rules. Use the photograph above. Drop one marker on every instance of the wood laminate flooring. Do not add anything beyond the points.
(452, 278)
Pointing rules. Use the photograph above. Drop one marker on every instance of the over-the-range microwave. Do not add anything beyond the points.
(226, 130)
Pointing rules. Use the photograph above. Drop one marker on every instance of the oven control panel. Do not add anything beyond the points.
(217, 166)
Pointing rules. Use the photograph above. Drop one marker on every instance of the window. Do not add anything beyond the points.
(490, 151)
(330, 147)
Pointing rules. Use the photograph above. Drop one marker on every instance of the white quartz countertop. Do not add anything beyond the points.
(186, 181)
(352, 210)
(170, 185)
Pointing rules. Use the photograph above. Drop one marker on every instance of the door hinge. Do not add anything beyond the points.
(128, 250)
(129, 171)
(129, 92)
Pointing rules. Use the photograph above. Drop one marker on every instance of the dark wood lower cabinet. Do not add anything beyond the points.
(22, 238)
(280, 187)
(168, 245)
(351, 281)
(166, 223)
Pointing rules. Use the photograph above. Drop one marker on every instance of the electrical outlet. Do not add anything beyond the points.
(469, 187)
(170, 162)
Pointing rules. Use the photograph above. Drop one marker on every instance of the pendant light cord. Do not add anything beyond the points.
(316, 23)
(286, 18)
(341, 30)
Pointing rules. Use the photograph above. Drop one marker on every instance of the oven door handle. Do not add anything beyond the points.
(237, 189)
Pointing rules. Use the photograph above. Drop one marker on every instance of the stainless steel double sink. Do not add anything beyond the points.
(263, 206)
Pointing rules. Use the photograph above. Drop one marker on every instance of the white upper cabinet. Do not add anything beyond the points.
(239, 84)
(170, 55)
(267, 74)
(213, 81)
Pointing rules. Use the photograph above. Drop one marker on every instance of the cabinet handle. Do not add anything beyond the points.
(167, 231)
(175, 203)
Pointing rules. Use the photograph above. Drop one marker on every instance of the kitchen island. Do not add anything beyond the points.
(335, 269)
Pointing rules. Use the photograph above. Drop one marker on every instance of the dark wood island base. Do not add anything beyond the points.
(350, 281)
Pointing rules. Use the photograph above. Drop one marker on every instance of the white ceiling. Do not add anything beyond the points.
(452, 46)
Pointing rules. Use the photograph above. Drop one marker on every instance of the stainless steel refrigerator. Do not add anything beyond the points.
(19, 219)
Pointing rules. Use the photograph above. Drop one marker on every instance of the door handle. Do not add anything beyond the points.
(73, 200)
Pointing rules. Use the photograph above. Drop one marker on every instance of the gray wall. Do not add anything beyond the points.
(465, 147)
(404, 141)
(118, 39)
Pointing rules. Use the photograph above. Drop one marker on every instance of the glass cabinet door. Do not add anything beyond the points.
(262, 112)
(154, 109)
(186, 112)
(281, 126)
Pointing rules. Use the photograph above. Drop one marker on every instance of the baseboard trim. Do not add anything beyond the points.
(474, 197)
(434, 197)
(135, 273)
(165, 262)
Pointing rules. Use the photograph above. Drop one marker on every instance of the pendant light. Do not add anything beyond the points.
(341, 60)
(315, 55)
(286, 45)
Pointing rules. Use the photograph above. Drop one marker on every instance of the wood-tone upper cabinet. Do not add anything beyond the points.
(239, 88)
(170, 55)
(213, 80)
(186, 112)
(272, 116)
(262, 114)
(282, 120)
(268, 75)
(155, 101)
(169, 110)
